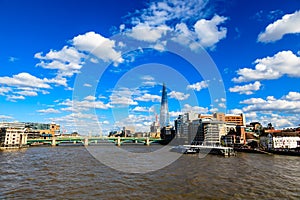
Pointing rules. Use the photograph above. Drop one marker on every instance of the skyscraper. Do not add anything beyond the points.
(164, 119)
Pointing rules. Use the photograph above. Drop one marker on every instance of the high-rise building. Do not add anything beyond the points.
(164, 119)
(210, 132)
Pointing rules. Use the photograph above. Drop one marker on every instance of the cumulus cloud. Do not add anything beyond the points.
(149, 97)
(282, 63)
(96, 44)
(25, 79)
(195, 109)
(186, 20)
(116, 99)
(66, 61)
(246, 89)
(208, 31)
(145, 32)
(288, 24)
(293, 96)
(140, 109)
(27, 93)
(178, 95)
(77, 106)
(49, 110)
(198, 86)
(90, 98)
(287, 104)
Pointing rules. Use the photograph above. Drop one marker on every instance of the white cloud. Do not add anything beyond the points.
(90, 98)
(208, 31)
(5, 117)
(161, 12)
(13, 98)
(271, 104)
(175, 113)
(27, 93)
(282, 63)
(67, 61)
(148, 97)
(58, 80)
(148, 80)
(49, 110)
(96, 44)
(185, 18)
(235, 111)
(293, 96)
(253, 101)
(116, 99)
(87, 85)
(140, 109)
(288, 24)
(145, 32)
(195, 109)
(179, 95)
(246, 89)
(24, 79)
(4, 90)
(76, 106)
(198, 86)
(105, 122)
(222, 105)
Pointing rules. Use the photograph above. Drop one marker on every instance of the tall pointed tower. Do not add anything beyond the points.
(164, 119)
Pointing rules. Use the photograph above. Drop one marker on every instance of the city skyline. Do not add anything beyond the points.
(69, 63)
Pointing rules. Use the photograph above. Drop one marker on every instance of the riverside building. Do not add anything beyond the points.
(33, 129)
(211, 128)
(13, 137)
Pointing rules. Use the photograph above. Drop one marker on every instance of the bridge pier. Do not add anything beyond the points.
(86, 142)
(119, 141)
(147, 141)
(53, 142)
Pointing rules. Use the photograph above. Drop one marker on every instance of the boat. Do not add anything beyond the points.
(202, 149)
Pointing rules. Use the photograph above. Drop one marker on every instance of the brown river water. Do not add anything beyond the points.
(73, 173)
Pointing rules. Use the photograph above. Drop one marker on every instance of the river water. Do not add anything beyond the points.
(73, 173)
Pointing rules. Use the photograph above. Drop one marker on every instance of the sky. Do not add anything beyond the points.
(95, 66)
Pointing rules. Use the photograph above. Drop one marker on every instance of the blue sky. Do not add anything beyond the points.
(95, 66)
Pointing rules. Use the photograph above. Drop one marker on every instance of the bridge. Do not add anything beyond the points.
(84, 140)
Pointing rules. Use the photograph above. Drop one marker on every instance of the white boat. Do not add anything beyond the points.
(217, 150)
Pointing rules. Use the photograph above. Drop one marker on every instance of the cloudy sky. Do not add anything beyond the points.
(93, 66)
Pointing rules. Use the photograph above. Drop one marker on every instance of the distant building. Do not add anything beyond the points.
(182, 123)
(238, 119)
(280, 140)
(128, 131)
(12, 137)
(34, 130)
(155, 129)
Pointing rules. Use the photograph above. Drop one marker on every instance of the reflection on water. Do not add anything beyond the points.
(72, 173)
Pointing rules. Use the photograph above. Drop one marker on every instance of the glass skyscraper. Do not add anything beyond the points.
(164, 119)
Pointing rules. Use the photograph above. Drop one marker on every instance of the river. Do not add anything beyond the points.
(73, 173)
